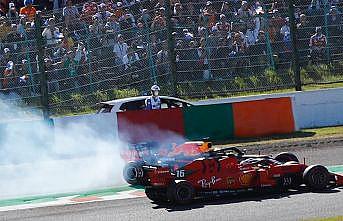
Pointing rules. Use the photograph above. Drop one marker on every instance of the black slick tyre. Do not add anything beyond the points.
(181, 192)
(316, 177)
(133, 173)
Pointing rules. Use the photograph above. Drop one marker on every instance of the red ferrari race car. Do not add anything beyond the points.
(157, 154)
(225, 172)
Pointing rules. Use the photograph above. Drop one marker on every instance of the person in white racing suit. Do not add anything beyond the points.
(153, 102)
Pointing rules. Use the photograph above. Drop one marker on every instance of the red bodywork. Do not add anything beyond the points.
(229, 174)
(339, 179)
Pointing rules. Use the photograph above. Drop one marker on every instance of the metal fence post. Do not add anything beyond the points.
(41, 65)
(171, 48)
(326, 12)
(151, 63)
(295, 63)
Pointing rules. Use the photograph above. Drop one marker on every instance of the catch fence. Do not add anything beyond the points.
(111, 50)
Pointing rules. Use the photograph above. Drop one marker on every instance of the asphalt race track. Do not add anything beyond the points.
(295, 205)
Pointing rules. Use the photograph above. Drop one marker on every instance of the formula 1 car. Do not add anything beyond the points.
(228, 173)
(154, 153)
(140, 155)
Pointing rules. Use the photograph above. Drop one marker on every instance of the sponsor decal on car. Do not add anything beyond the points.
(245, 179)
(184, 173)
(230, 181)
(208, 183)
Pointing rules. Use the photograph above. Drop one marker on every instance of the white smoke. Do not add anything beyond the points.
(36, 158)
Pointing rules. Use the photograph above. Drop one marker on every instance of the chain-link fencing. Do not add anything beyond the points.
(104, 50)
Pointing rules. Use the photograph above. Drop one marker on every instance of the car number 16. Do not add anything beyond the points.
(180, 173)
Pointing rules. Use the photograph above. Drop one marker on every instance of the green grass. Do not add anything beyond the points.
(326, 131)
(336, 218)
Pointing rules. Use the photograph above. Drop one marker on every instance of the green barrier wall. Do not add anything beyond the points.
(213, 121)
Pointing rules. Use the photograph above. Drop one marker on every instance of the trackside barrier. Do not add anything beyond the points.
(319, 108)
(263, 117)
(218, 122)
(223, 119)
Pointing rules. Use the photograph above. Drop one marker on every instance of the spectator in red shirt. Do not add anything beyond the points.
(28, 10)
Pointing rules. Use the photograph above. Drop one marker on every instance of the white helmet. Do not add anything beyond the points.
(155, 88)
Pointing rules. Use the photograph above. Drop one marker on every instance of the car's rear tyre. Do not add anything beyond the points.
(286, 157)
(156, 195)
(181, 192)
(316, 177)
(133, 173)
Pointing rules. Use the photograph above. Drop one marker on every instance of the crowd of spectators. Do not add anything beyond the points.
(109, 43)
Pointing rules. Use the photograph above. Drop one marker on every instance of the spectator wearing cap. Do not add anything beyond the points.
(285, 32)
(304, 33)
(51, 33)
(179, 13)
(81, 54)
(223, 26)
(12, 13)
(209, 15)
(145, 17)
(24, 74)
(71, 15)
(7, 56)
(119, 10)
(29, 11)
(8, 75)
(80, 60)
(187, 36)
(317, 45)
(102, 15)
(120, 49)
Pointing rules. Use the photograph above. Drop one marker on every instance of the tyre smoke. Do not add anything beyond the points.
(37, 158)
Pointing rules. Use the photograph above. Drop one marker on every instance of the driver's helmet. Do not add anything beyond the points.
(155, 89)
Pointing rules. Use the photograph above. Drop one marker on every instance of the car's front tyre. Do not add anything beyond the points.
(316, 177)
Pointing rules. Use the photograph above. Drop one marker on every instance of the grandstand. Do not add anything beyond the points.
(99, 50)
